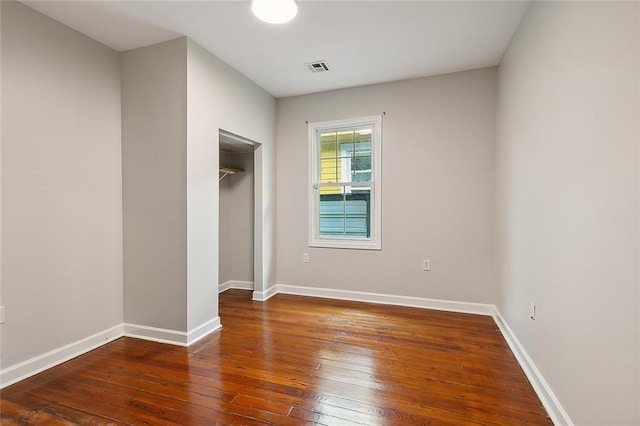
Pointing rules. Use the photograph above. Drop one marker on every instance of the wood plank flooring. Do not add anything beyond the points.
(293, 361)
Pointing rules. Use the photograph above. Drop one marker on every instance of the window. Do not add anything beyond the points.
(344, 197)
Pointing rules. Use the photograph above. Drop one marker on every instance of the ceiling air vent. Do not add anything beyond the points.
(318, 66)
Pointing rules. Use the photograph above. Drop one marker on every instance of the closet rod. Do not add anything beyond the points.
(226, 170)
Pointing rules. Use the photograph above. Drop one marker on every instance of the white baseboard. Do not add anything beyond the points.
(35, 365)
(155, 334)
(388, 299)
(262, 296)
(549, 400)
(235, 284)
(172, 337)
(203, 330)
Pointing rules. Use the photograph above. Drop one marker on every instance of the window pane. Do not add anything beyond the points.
(361, 162)
(345, 215)
(346, 136)
(358, 214)
(332, 209)
(362, 139)
(361, 168)
(330, 170)
(361, 177)
(329, 145)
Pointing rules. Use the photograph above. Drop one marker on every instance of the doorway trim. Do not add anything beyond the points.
(235, 143)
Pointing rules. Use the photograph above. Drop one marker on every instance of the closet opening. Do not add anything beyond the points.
(237, 225)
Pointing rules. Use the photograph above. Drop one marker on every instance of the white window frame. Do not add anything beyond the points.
(315, 129)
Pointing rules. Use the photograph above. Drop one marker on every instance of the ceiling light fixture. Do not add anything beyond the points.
(274, 11)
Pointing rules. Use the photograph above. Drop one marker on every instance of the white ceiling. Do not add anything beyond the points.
(364, 42)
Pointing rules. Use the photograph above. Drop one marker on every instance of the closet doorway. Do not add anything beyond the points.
(237, 212)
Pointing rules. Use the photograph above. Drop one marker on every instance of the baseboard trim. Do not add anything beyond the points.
(262, 296)
(235, 284)
(172, 337)
(388, 299)
(155, 334)
(549, 400)
(203, 330)
(35, 365)
(40, 363)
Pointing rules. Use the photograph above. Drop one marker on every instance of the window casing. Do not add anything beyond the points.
(344, 183)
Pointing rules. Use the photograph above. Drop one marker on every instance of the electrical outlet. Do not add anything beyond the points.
(1, 314)
(426, 265)
(532, 311)
(305, 257)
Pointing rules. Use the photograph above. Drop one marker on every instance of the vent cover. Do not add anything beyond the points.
(318, 66)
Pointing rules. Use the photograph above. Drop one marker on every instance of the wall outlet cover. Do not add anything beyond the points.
(532, 311)
(426, 265)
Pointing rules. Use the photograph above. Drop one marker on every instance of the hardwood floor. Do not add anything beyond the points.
(291, 361)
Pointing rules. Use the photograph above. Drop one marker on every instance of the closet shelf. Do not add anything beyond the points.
(226, 170)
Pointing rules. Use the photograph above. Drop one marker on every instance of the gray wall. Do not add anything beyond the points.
(567, 202)
(61, 185)
(437, 189)
(236, 219)
(176, 97)
(221, 98)
(154, 163)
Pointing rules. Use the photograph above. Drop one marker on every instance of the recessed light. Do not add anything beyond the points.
(274, 11)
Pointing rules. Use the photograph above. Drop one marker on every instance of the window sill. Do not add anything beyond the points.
(346, 244)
